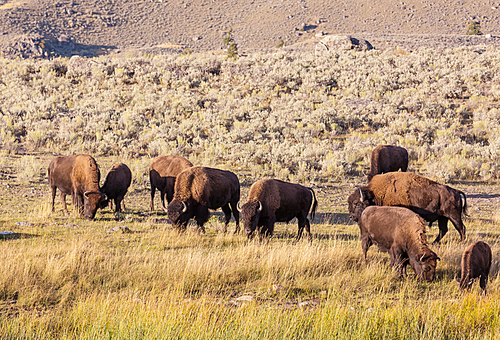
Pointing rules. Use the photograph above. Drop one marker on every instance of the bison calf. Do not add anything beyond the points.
(476, 262)
(272, 200)
(198, 189)
(401, 232)
(162, 174)
(116, 185)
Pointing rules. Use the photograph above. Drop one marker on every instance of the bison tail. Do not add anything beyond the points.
(315, 204)
(464, 206)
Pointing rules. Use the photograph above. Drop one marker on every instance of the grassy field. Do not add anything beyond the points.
(66, 277)
(306, 119)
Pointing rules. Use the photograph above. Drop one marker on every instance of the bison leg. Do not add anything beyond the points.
(267, 229)
(303, 222)
(63, 201)
(202, 216)
(162, 198)
(366, 243)
(397, 261)
(459, 225)
(443, 229)
(118, 207)
(53, 197)
(236, 215)
(153, 190)
(78, 201)
(482, 282)
(227, 216)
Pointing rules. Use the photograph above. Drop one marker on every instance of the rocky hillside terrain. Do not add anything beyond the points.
(93, 27)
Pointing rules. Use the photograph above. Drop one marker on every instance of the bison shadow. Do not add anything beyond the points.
(480, 195)
(17, 236)
(332, 218)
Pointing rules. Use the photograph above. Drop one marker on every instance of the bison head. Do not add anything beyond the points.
(425, 265)
(250, 214)
(92, 200)
(358, 201)
(177, 213)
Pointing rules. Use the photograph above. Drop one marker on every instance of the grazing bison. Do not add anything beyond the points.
(198, 189)
(162, 174)
(272, 200)
(387, 158)
(431, 200)
(476, 262)
(79, 177)
(116, 185)
(401, 232)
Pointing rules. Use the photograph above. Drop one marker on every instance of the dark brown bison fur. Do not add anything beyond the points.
(79, 177)
(387, 158)
(401, 232)
(272, 200)
(116, 185)
(198, 189)
(476, 262)
(431, 200)
(162, 174)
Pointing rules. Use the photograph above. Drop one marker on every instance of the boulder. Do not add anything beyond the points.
(333, 43)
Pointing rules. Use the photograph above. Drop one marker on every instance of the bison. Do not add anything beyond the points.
(79, 177)
(476, 262)
(198, 189)
(431, 200)
(401, 232)
(387, 158)
(116, 185)
(162, 174)
(272, 200)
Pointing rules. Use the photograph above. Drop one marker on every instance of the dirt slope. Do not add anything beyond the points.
(102, 25)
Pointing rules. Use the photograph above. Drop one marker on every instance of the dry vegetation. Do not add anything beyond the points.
(312, 120)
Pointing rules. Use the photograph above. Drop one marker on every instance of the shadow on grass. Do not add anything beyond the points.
(17, 236)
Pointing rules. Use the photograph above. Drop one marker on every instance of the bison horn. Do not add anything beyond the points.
(361, 198)
(422, 257)
(185, 208)
(260, 207)
(238, 206)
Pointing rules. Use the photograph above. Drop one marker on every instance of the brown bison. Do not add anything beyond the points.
(476, 262)
(431, 200)
(79, 177)
(387, 158)
(272, 200)
(400, 232)
(116, 185)
(198, 189)
(162, 174)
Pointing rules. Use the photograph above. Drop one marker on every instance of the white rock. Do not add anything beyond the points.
(245, 298)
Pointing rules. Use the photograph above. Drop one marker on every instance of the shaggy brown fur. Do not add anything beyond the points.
(431, 200)
(198, 189)
(162, 174)
(387, 158)
(476, 262)
(79, 177)
(116, 185)
(400, 232)
(272, 200)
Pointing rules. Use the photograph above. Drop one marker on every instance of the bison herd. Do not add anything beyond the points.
(390, 210)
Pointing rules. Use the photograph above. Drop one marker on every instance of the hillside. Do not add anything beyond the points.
(92, 27)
